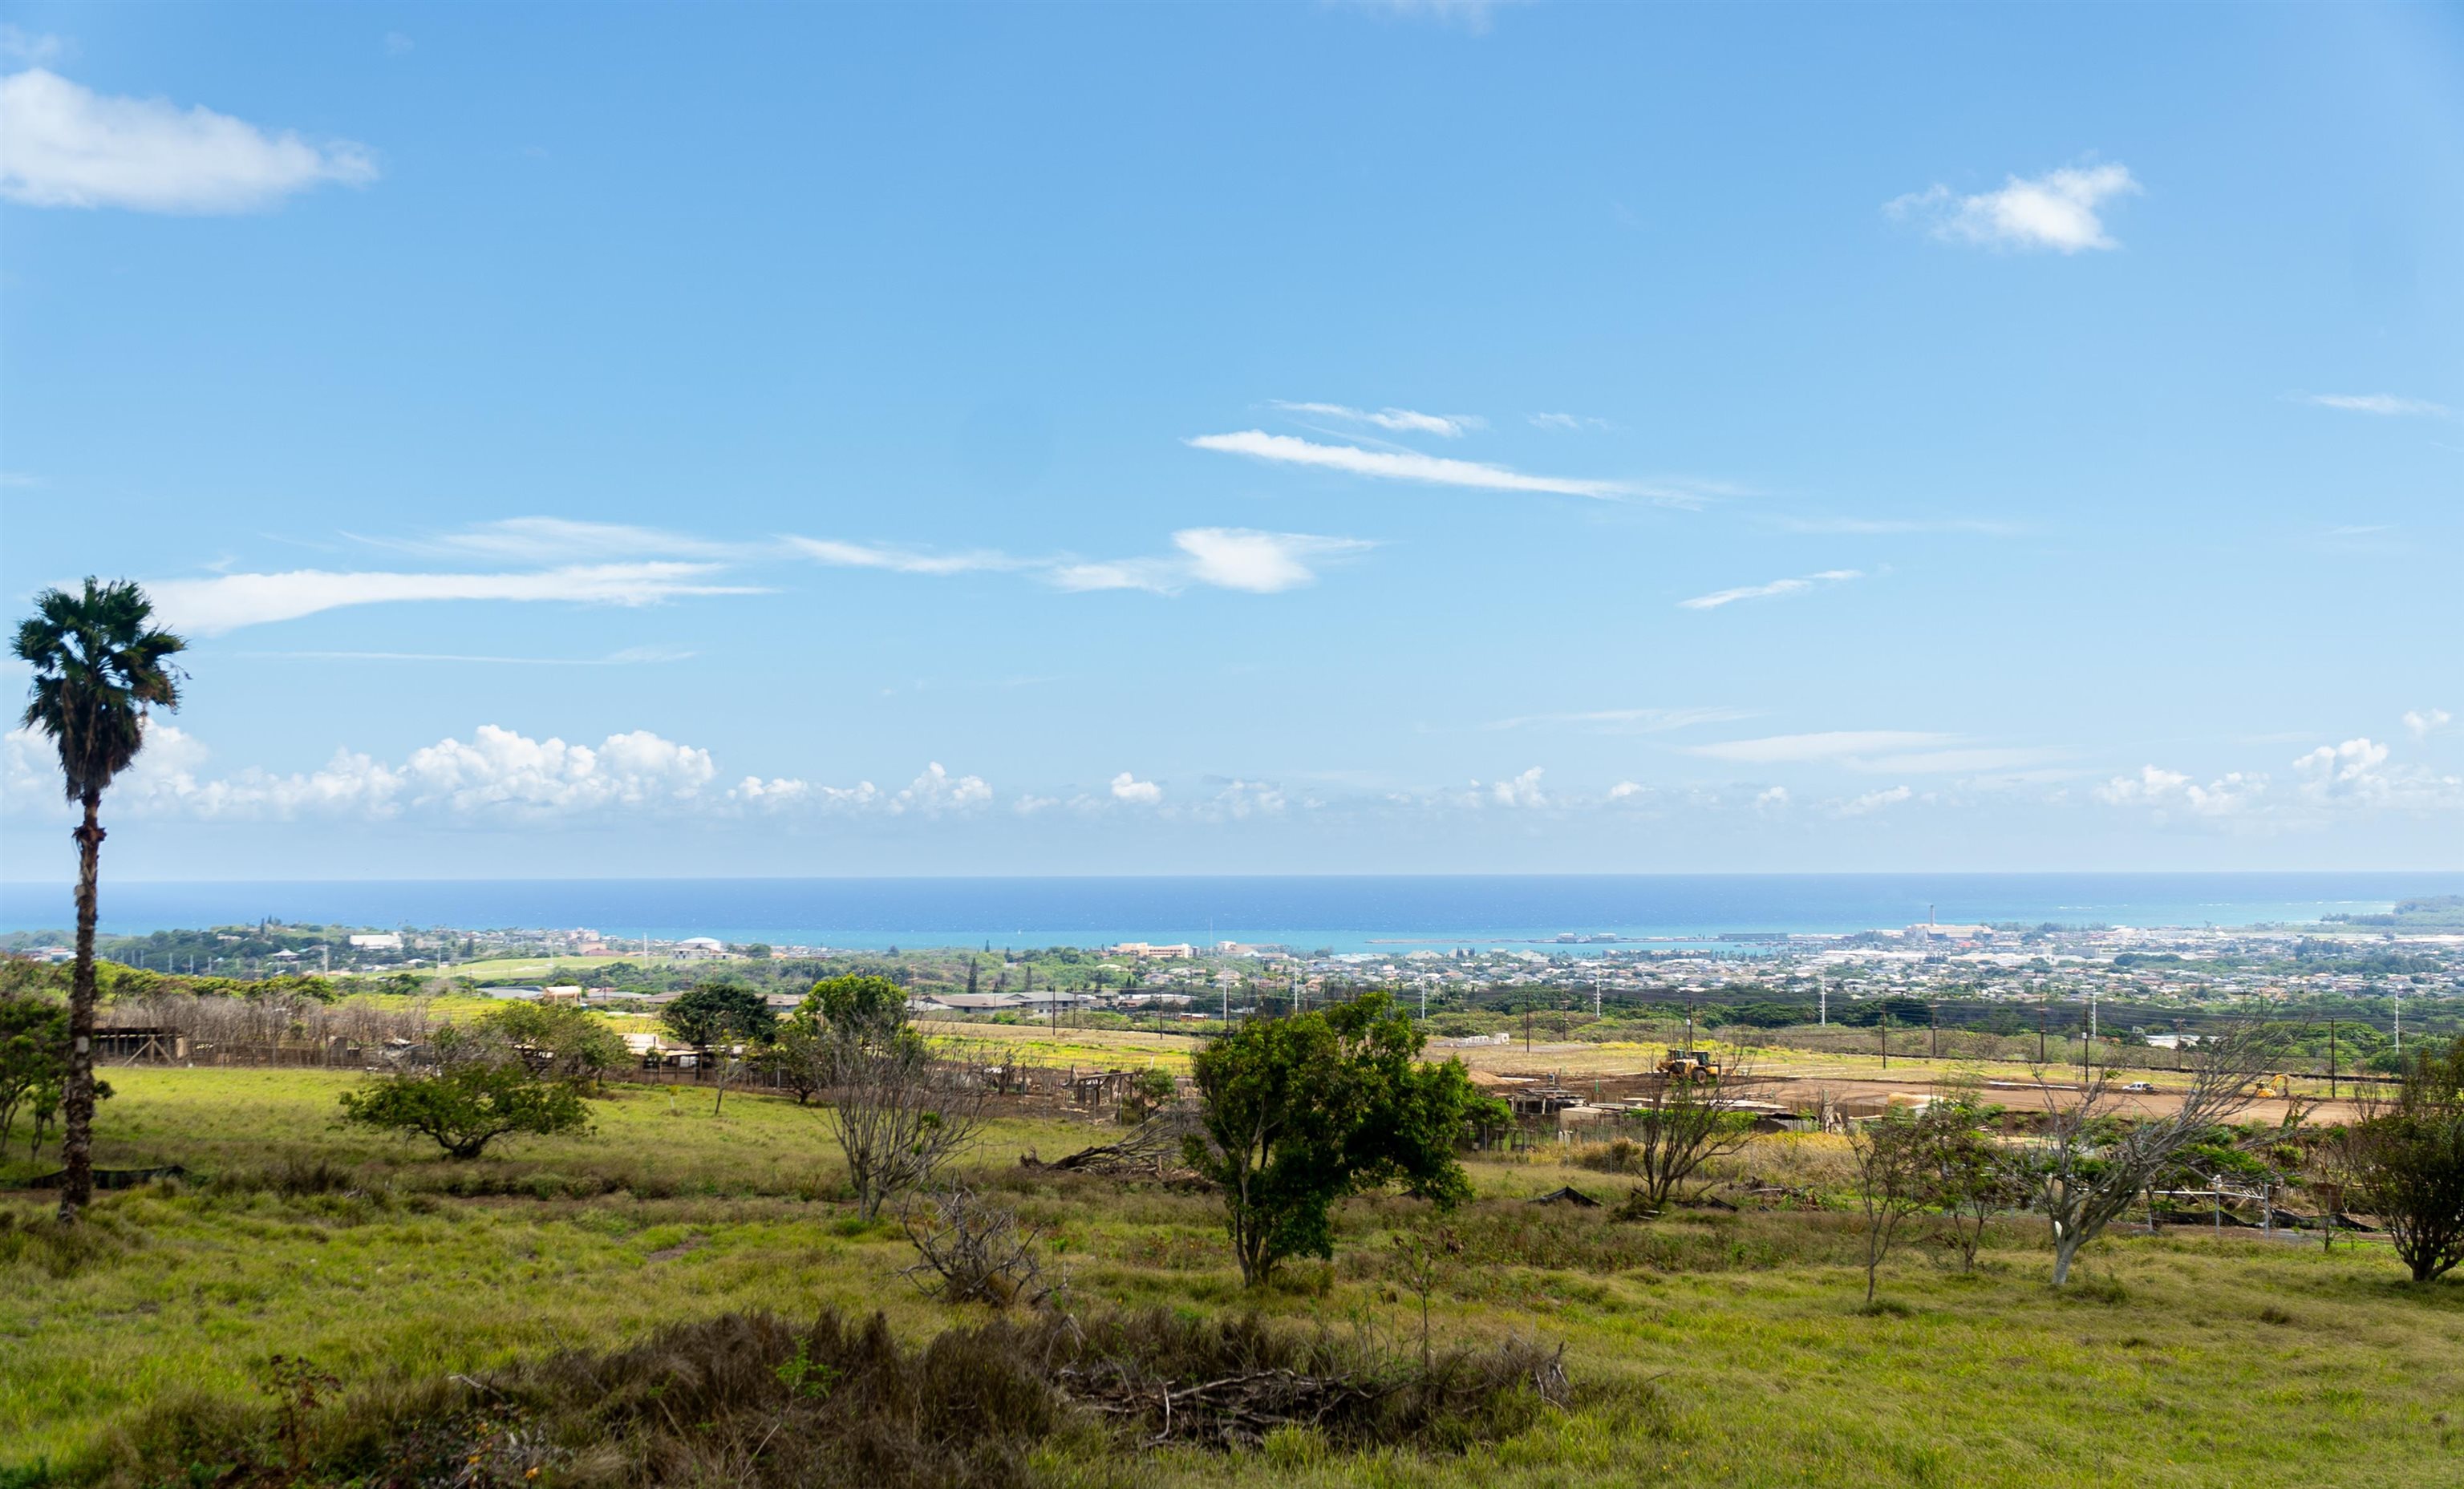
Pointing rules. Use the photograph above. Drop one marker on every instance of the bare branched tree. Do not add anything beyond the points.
(1893, 1180)
(972, 1250)
(901, 1110)
(1679, 1125)
(2093, 1159)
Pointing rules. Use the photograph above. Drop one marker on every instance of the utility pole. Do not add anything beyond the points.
(1596, 1000)
(2331, 1060)
(1887, 1037)
(2399, 1023)
(1934, 1022)
(2040, 1031)
(1821, 1003)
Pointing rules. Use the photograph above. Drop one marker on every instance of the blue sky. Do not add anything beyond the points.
(654, 440)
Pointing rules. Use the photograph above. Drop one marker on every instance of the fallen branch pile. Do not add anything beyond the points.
(1150, 1150)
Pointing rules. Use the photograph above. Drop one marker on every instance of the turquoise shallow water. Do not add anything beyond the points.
(1345, 913)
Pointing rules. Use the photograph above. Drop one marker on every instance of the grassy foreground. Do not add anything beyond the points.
(1717, 1347)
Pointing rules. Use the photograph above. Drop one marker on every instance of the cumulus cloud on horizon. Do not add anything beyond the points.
(496, 774)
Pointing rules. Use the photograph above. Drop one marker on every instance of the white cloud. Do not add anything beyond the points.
(396, 44)
(1469, 16)
(1874, 801)
(1785, 586)
(1127, 787)
(1627, 790)
(2166, 792)
(1832, 745)
(1884, 526)
(35, 49)
(2384, 405)
(1564, 423)
(500, 768)
(2057, 210)
(1224, 558)
(1771, 800)
(226, 603)
(1262, 563)
(64, 145)
(906, 561)
(21, 479)
(2422, 723)
(497, 775)
(1522, 790)
(565, 540)
(627, 656)
(1403, 421)
(1242, 798)
(1930, 762)
(1435, 470)
(1626, 721)
(938, 791)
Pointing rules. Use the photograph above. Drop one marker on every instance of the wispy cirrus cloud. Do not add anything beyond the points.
(2058, 211)
(1770, 591)
(629, 656)
(1218, 558)
(63, 144)
(1888, 526)
(2384, 404)
(1443, 469)
(563, 540)
(1401, 421)
(1829, 745)
(1564, 423)
(228, 602)
(1624, 721)
(895, 559)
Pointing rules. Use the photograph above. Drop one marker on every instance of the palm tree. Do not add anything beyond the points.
(98, 667)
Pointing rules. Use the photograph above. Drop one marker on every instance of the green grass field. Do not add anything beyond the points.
(1716, 1348)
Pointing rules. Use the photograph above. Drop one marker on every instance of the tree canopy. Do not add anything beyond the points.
(717, 1013)
(1300, 1112)
(836, 1002)
(482, 1088)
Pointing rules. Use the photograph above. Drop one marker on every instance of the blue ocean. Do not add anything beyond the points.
(1364, 913)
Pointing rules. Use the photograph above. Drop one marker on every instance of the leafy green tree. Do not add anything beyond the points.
(561, 1042)
(100, 666)
(1301, 1112)
(482, 1089)
(2406, 1156)
(836, 1002)
(33, 1052)
(719, 1012)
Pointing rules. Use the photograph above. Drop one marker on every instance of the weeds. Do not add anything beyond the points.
(754, 1400)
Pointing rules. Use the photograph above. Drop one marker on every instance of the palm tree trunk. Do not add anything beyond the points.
(77, 1097)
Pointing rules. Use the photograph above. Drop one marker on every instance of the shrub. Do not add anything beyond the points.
(753, 1400)
(468, 1104)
